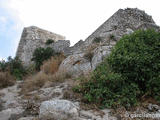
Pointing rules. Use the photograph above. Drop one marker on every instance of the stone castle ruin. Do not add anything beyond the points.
(34, 37)
(124, 21)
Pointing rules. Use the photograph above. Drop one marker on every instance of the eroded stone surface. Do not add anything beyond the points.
(75, 64)
(121, 23)
(34, 37)
(58, 109)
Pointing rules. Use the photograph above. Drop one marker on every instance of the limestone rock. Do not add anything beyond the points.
(99, 54)
(32, 38)
(5, 114)
(153, 107)
(58, 110)
(121, 23)
(75, 64)
(27, 118)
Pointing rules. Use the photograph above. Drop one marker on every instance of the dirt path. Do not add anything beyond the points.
(10, 102)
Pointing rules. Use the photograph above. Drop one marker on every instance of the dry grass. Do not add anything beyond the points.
(51, 66)
(49, 74)
(37, 81)
(6, 80)
(89, 55)
(90, 52)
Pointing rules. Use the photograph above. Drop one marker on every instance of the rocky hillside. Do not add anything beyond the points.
(90, 53)
(48, 94)
(120, 23)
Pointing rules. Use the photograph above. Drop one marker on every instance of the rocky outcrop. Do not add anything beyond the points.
(124, 21)
(47, 102)
(68, 110)
(58, 109)
(83, 63)
(34, 37)
(121, 23)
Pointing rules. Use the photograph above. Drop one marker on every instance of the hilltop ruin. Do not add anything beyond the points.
(124, 21)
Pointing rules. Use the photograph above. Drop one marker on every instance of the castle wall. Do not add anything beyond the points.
(34, 37)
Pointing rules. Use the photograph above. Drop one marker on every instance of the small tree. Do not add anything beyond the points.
(13, 66)
(42, 54)
(3, 65)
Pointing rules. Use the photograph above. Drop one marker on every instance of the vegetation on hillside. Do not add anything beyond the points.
(51, 66)
(129, 74)
(6, 79)
(49, 73)
(13, 67)
(48, 62)
(42, 54)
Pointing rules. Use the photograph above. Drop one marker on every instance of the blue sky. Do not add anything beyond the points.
(75, 19)
(9, 34)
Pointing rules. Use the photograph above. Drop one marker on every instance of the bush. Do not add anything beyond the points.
(131, 71)
(6, 79)
(38, 80)
(3, 65)
(34, 82)
(51, 66)
(136, 57)
(42, 54)
(14, 67)
(49, 41)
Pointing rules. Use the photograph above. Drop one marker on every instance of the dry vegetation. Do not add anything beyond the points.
(6, 79)
(51, 66)
(90, 52)
(49, 74)
(37, 81)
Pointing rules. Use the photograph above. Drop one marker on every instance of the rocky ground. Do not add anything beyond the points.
(48, 103)
(57, 102)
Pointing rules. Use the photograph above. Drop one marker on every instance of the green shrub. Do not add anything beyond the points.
(49, 41)
(42, 54)
(3, 65)
(14, 67)
(131, 71)
(136, 57)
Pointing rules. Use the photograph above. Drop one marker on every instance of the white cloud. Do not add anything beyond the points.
(10, 25)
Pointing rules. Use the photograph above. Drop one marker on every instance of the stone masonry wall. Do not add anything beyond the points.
(120, 23)
(34, 37)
